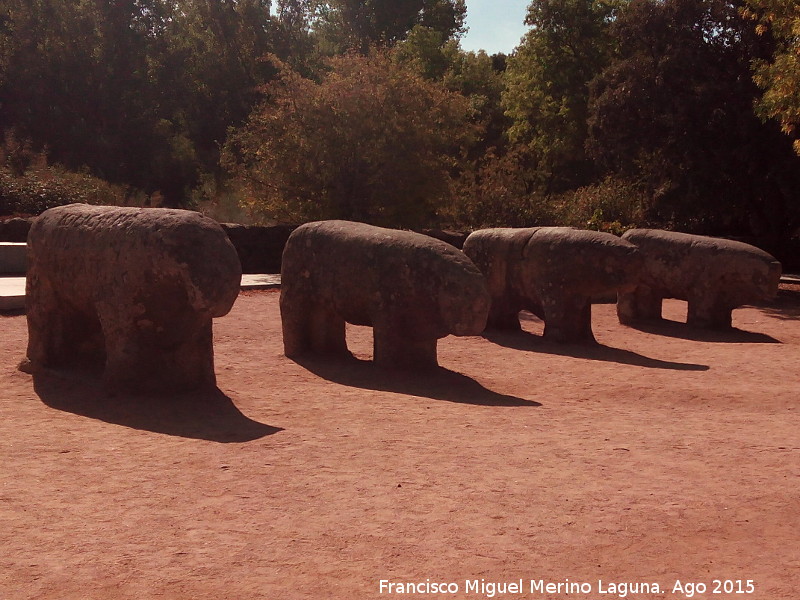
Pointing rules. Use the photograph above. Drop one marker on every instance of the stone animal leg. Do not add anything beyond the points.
(395, 350)
(58, 333)
(707, 312)
(502, 316)
(294, 323)
(642, 304)
(311, 327)
(142, 356)
(327, 331)
(189, 364)
(46, 325)
(567, 318)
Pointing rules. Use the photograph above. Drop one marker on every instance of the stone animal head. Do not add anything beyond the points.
(755, 277)
(623, 265)
(463, 299)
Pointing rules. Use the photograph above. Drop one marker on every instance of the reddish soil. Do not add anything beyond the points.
(658, 455)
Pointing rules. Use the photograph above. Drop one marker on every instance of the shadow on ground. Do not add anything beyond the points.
(676, 329)
(438, 383)
(203, 415)
(786, 305)
(523, 340)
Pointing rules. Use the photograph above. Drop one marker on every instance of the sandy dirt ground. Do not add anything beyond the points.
(657, 456)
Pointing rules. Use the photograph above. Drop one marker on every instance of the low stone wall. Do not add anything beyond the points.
(454, 238)
(13, 258)
(15, 229)
(259, 248)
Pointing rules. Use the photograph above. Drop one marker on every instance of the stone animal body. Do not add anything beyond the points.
(554, 272)
(133, 289)
(713, 275)
(412, 289)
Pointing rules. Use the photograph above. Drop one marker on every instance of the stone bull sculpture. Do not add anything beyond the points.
(133, 289)
(412, 289)
(713, 275)
(554, 272)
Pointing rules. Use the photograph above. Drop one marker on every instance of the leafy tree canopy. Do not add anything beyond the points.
(547, 83)
(362, 24)
(779, 75)
(675, 111)
(139, 91)
(370, 142)
(474, 75)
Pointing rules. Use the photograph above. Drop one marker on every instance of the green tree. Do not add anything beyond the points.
(141, 92)
(362, 24)
(211, 63)
(428, 51)
(674, 111)
(295, 41)
(474, 75)
(779, 75)
(547, 85)
(371, 142)
(76, 80)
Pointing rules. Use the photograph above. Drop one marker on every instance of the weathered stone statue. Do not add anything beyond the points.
(133, 289)
(554, 272)
(412, 289)
(714, 275)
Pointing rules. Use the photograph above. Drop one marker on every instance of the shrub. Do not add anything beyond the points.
(29, 186)
(370, 142)
(613, 205)
(499, 191)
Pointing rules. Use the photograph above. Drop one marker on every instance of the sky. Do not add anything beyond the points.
(495, 25)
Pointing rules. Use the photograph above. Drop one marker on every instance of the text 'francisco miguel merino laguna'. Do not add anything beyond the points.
(490, 589)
